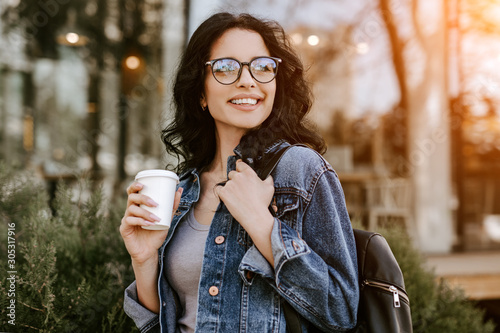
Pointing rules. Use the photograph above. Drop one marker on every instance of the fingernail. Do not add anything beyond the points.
(149, 223)
(154, 217)
(152, 203)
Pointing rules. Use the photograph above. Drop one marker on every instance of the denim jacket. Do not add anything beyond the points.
(314, 259)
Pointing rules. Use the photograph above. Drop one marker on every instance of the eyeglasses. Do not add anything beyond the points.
(228, 70)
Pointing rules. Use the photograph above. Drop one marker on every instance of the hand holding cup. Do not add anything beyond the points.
(149, 206)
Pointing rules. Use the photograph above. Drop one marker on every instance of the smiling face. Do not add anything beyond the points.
(246, 103)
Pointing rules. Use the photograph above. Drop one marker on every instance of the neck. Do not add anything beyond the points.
(224, 148)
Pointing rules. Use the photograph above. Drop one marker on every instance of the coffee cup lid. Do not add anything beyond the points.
(157, 173)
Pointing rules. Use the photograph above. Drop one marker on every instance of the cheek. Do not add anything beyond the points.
(214, 93)
(272, 94)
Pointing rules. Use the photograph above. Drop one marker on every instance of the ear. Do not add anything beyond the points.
(203, 102)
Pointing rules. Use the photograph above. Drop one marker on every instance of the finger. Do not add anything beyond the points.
(231, 174)
(141, 199)
(241, 166)
(269, 180)
(134, 187)
(133, 221)
(142, 213)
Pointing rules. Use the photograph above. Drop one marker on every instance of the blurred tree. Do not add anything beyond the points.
(397, 127)
(482, 16)
(418, 45)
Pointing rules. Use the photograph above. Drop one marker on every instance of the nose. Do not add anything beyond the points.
(246, 78)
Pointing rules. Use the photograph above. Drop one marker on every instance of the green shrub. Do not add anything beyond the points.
(71, 265)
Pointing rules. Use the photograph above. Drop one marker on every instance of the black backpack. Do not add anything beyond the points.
(384, 306)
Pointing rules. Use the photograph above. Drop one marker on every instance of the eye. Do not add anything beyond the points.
(225, 65)
(264, 65)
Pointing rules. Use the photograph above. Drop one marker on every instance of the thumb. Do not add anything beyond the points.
(217, 189)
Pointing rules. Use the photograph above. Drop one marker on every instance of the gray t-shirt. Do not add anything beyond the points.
(183, 260)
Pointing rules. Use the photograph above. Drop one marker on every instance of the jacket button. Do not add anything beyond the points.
(250, 275)
(219, 239)
(213, 290)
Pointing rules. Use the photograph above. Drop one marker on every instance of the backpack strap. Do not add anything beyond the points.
(273, 162)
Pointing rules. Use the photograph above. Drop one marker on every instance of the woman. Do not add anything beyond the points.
(227, 264)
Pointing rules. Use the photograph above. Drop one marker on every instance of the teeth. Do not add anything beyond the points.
(240, 101)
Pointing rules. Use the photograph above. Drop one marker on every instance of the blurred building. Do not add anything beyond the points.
(13, 66)
(96, 101)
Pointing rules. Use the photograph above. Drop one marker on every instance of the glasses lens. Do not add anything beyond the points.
(226, 70)
(263, 69)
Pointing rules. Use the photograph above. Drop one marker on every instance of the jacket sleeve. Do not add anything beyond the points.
(315, 272)
(144, 319)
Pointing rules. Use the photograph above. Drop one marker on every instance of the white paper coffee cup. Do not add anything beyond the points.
(159, 185)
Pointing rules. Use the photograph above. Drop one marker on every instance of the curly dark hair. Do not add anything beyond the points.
(191, 135)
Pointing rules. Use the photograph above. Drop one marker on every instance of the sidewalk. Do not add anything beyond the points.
(478, 273)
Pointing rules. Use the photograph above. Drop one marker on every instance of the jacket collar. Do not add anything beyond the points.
(269, 150)
(190, 179)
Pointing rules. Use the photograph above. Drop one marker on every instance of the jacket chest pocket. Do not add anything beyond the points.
(288, 208)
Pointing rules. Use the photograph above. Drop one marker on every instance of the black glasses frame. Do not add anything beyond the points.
(211, 63)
